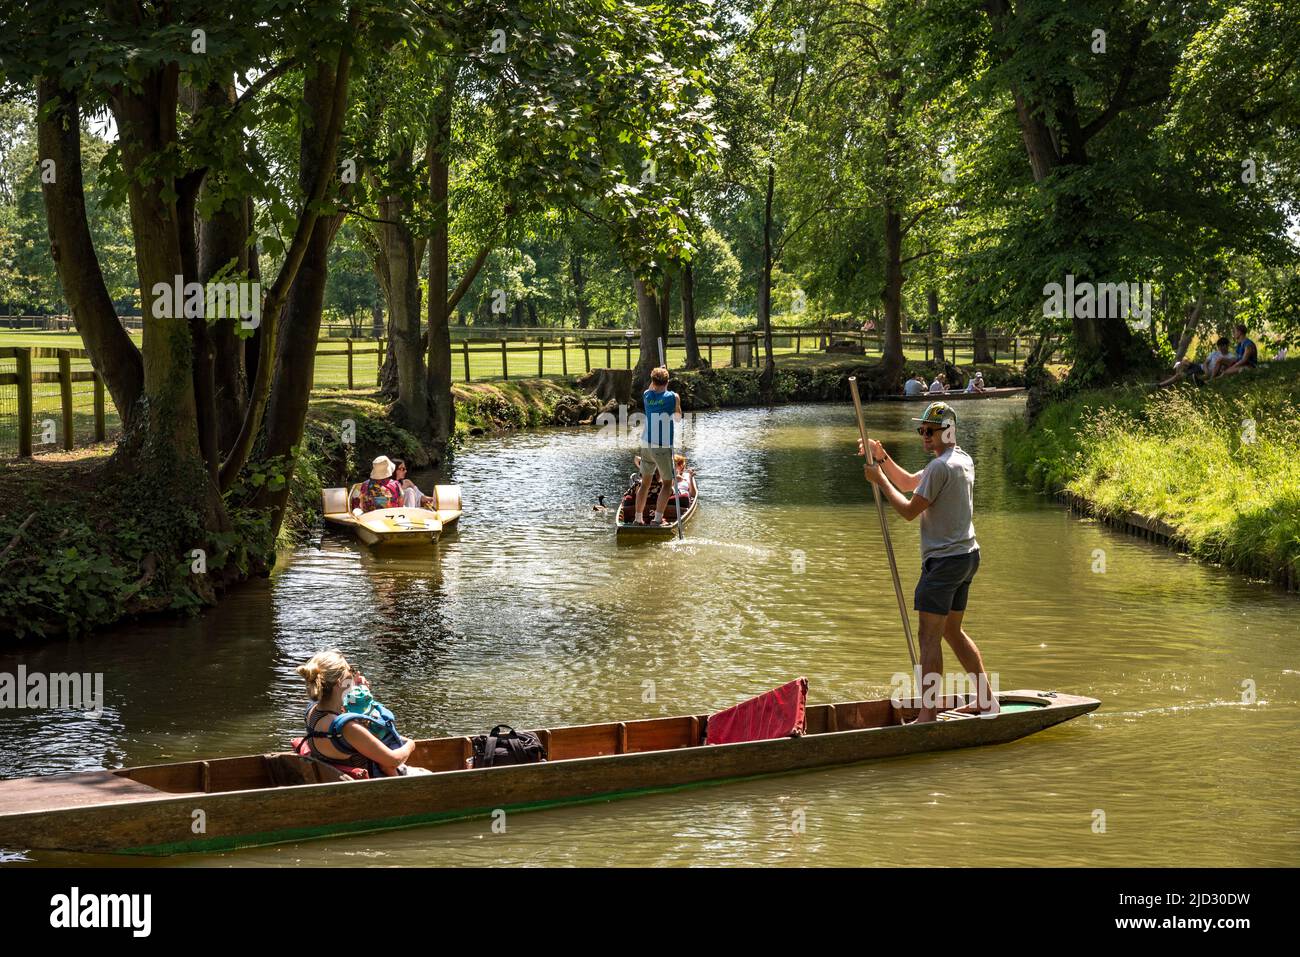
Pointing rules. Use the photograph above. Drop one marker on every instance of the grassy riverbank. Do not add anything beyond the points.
(1217, 463)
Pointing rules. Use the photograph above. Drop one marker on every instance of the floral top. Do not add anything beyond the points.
(380, 493)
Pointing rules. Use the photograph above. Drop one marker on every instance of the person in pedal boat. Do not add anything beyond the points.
(943, 496)
(663, 409)
(412, 497)
(340, 738)
(380, 490)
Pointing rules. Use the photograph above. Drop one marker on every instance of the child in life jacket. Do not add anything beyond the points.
(379, 721)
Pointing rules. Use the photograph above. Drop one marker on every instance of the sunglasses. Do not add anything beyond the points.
(927, 431)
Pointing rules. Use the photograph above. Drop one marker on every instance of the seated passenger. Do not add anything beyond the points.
(915, 385)
(976, 383)
(686, 488)
(940, 383)
(380, 491)
(338, 738)
(412, 497)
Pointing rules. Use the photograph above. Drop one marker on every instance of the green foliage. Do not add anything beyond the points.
(1215, 462)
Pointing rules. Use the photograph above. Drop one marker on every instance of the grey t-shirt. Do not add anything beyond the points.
(947, 526)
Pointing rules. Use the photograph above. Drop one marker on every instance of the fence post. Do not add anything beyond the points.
(65, 395)
(23, 360)
(541, 353)
(505, 362)
(379, 361)
(735, 350)
(798, 342)
(464, 347)
(564, 356)
(1015, 347)
(586, 352)
(627, 342)
(609, 362)
(710, 351)
(350, 362)
(101, 431)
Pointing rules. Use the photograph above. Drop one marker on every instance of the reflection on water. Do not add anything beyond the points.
(530, 615)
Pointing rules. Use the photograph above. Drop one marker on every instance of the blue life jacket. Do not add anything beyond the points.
(384, 728)
(659, 410)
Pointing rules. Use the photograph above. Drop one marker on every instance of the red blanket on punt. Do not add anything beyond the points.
(778, 713)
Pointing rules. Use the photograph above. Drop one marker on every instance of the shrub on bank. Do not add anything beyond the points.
(1216, 462)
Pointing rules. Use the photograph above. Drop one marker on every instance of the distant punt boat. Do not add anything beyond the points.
(956, 395)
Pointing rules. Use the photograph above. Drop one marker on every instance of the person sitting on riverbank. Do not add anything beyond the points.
(412, 497)
(915, 385)
(940, 383)
(976, 384)
(1184, 369)
(1219, 355)
(663, 408)
(380, 490)
(336, 737)
(1247, 352)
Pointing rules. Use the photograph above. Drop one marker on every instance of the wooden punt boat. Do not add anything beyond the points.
(394, 526)
(632, 532)
(957, 395)
(272, 798)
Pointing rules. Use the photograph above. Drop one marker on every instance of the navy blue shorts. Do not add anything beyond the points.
(945, 583)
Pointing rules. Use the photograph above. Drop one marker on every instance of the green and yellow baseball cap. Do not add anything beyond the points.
(937, 413)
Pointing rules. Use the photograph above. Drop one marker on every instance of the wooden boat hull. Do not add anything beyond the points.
(632, 532)
(225, 803)
(998, 393)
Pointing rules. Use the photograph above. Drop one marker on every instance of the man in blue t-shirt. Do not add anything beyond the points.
(663, 410)
(1247, 353)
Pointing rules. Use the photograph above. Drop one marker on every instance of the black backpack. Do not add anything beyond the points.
(504, 745)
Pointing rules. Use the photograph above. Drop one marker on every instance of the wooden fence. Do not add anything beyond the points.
(24, 378)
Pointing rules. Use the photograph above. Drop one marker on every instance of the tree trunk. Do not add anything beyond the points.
(112, 353)
(442, 410)
(324, 97)
(652, 330)
(579, 288)
(401, 260)
(1189, 328)
(768, 378)
(936, 325)
(892, 293)
(981, 338)
(693, 359)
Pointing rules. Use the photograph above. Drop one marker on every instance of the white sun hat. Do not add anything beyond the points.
(381, 468)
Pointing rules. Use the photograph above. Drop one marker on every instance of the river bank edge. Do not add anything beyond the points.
(1206, 470)
(79, 561)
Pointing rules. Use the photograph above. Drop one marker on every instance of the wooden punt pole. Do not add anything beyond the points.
(884, 530)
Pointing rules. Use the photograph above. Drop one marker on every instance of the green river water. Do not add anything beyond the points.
(531, 615)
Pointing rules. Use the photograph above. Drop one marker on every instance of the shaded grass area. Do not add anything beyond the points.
(1218, 462)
